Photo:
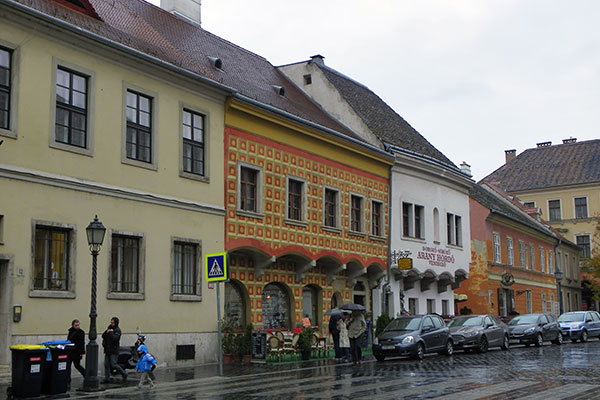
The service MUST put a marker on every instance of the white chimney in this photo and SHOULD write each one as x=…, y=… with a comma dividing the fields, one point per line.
x=465, y=168
x=185, y=9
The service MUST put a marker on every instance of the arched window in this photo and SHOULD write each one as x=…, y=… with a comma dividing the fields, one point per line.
x=436, y=225
x=360, y=294
x=309, y=303
x=235, y=306
x=275, y=307
x=336, y=300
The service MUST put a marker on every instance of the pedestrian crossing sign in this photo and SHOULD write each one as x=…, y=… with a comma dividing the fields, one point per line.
x=216, y=267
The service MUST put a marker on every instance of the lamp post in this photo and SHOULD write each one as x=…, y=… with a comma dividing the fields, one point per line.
x=95, y=236
x=559, y=275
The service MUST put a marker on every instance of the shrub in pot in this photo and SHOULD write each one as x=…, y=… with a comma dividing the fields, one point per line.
x=305, y=341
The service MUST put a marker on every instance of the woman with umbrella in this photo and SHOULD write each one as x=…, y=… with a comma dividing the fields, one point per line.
x=356, y=327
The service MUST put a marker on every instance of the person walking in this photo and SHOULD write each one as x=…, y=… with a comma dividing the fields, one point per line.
x=145, y=366
x=335, y=334
x=111, y=339
x=76, y=335
x=356, y=328
x=344, y=341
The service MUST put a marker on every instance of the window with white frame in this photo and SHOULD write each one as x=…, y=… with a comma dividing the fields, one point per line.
x=295, y=199
x=139, y=137
x=544, y=309
x=356, y=213
x=510, y=252
x=413, y=216
x=193, y=142
x=454, y=229
x=5, y=87
x=430, y=306
x=542, y=260
x=532, y=256
x=376, y=218
x=521, y=254
x=186, y=276
x=497, y=254
x=583, y=241
x=249, y=189
x=581, y=208
x=125, y=263
x=71, y=107
x=566, y=266
x=554, y=210
x=331, y=209
x=528, y=302
x=550, y=262
x=529, y=204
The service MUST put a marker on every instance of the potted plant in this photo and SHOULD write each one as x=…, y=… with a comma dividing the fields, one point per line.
x=246, y=344
x=305, y=342
x=238, y=340
x=228, y=342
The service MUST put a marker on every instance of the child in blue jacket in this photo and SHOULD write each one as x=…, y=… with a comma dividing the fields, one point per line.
x=145, y=365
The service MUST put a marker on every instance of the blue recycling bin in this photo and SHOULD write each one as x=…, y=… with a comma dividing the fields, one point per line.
x=57, y=370
x=28, y=362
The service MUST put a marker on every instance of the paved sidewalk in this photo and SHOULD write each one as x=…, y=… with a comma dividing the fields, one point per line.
x=176, y=374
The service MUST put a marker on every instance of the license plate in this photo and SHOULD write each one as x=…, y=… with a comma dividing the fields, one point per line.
x=388, y=347
x=512, y=341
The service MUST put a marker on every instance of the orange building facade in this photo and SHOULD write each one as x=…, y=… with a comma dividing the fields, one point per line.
x=512, y=260
x=306, y=221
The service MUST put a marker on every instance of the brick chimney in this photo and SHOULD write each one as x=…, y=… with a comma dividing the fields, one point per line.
x=509, y=155
x=188, y=10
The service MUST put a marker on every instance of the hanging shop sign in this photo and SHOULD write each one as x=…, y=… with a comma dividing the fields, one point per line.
x=404, y=264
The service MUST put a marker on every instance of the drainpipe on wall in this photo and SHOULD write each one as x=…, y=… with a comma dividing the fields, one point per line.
x=386, y=285
x=559, y=294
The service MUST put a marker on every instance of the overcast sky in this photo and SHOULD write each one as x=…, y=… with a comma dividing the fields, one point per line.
x=475, y=77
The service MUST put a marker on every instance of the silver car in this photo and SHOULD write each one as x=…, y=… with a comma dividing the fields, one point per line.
x=478, y=332
x=579, y=325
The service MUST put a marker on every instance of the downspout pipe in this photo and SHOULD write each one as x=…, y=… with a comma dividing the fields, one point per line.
x=384, y=294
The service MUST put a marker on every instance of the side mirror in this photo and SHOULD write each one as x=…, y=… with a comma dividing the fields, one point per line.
x=588, y=320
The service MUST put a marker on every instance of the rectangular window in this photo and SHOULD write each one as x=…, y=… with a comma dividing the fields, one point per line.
x=497, y=255
x=529, y=204
x=542, y=261
x=544, y=308
x=510, y=252
x=125, y=264
x=71, y=108
x=412, y=306
x=528, y=300
x=419, y=211
x=248, y=189
x=554, y=210
x=532, y=255
x=583, y=241
x=295, y=194
x=521, y=254
x=185, y=269
x=356, y=213
x=139, y=127
x=445, y=308
x=550, y=262
x=376, y=218
x=413, y=220
x=454, y=229
x=5, y=87
x=406, y=218
x=193, y=142
x=51, y=260
x=581, y=210
x=331, y=206
x=430, y=306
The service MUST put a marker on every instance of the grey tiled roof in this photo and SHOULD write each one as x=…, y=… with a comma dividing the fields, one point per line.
x=381, y=119
x=149, y=29
x=551, y=166
x=493, y=201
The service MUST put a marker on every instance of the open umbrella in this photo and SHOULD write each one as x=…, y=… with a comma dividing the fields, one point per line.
x=353, y=307
x=333, y=311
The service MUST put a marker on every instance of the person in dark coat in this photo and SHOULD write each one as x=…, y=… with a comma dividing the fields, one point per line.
x=335, y=334
x=111, y=339
x=76, y=336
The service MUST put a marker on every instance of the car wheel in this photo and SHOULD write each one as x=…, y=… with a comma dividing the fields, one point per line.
x=483, y=345
x=539, y=340
x=506, y=343
x=584, y=336
x=420, y=353
x=379, y=357
x=449, y=348
x=559, y=339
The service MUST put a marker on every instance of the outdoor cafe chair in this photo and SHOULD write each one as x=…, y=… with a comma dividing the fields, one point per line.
x=274, y=347
x=291, y=348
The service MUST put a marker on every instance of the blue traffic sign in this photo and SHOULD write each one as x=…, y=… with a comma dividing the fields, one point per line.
x=216, y=267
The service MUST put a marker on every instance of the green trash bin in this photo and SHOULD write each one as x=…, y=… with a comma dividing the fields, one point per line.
x=27, y=370
x=57, y=371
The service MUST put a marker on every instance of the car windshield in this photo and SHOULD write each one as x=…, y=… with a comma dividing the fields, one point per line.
x=404, y=324
x=524, y=320
x=571, y=317
x=466, y=321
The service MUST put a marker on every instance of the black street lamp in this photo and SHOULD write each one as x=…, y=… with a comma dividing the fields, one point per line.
x=91, y=383
x=559, y=275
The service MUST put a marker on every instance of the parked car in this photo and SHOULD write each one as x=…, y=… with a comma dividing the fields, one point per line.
x=580, y=325
x=478, y=332
x=414, y=336
x=534, y=329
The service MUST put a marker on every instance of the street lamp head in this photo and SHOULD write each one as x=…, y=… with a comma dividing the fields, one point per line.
x=95, y=234
x=558, y=274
